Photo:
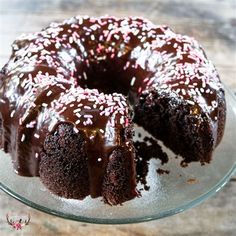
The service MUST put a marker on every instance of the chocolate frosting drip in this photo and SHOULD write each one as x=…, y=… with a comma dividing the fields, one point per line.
x=51, y=76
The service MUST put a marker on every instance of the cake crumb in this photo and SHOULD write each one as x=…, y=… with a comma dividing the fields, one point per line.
x=146, y=187
x=146, y=150
x=162, y=171
x=183, y=164
x=192, y=181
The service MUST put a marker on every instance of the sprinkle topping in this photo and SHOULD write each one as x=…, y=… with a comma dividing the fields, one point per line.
x=57, y=62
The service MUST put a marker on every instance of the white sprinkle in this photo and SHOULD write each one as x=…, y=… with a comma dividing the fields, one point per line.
x=183, y=91
x=80, y=21
x=116, y=36
x=71, y=40
x=21, y=75
x=93, y=27
x=203, y=83
x=76, y=130
x=77, y=122
x=85, y=76
x=122, y=121
x=201, y=90
x=190, y=102
x=78, y=115
x=49, y=93
x=99, y=159
x=12, y=113
x=177, y=90
x=132, y=81
x=88, y=116
x=57, y=45
x=89, y=121
x=36, y=155
x=187, y=81
x=77, y=110
x=36, y=136
x=20, y=121
x=22, y=138
x=31, y=124
x=102, y=131
x=143, y=39
x=175, y=84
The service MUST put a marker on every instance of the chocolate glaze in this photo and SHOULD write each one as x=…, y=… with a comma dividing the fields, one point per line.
x=108, y=130
x=45, y=82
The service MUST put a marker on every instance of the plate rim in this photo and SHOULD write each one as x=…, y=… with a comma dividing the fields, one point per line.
x=173, y=211
x=170, y=212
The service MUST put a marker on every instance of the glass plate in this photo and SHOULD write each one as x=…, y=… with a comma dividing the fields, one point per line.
x=181, y=189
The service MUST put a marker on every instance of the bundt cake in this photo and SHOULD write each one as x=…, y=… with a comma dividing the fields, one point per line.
x=70, y=93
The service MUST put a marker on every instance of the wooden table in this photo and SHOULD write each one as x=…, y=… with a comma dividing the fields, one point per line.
x=213, y=23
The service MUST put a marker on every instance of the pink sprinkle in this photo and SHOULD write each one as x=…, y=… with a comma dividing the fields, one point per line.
x=126, y=122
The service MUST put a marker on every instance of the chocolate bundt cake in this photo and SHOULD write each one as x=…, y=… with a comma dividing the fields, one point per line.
x=70, y=93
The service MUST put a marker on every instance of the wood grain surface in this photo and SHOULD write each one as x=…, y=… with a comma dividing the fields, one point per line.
x=212, y=22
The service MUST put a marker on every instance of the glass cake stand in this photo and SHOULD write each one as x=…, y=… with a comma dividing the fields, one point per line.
x=169, y=194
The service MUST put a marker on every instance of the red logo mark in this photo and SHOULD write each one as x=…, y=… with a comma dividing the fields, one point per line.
x=18, y=222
